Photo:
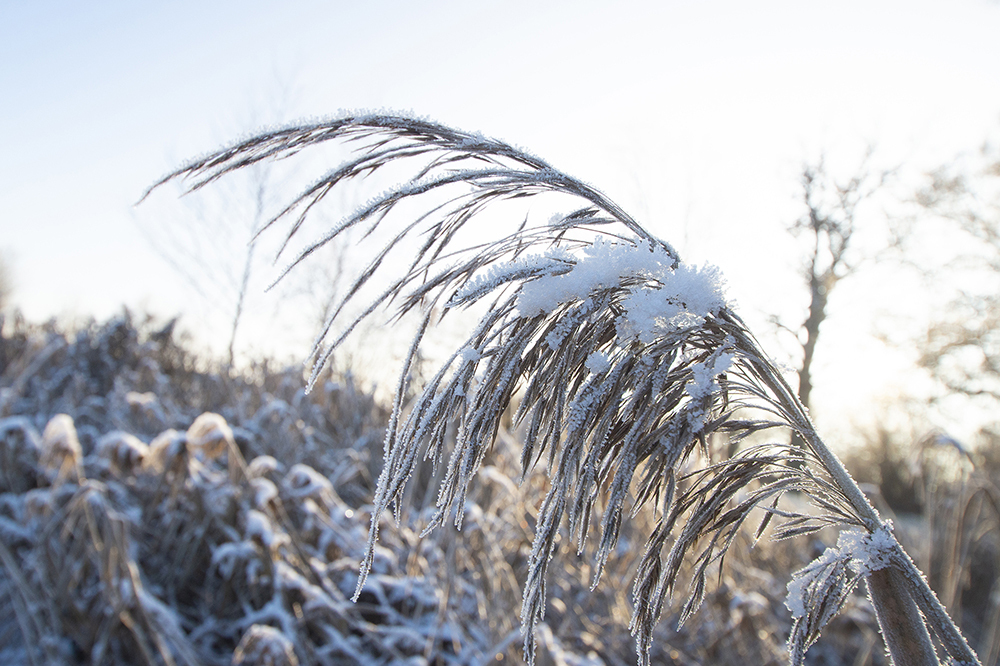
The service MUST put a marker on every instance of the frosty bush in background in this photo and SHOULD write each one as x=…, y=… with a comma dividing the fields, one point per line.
x=622, y=363
x=170, y=548
x=204, y=570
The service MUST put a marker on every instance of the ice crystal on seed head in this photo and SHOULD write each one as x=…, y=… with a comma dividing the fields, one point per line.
x=667, y=297
x=602, y=266
x=551, y=262
x=469, y=355
x=684, y=298
x=858, y=550
x=703, y=375
x=598, y=362
x=869, y=552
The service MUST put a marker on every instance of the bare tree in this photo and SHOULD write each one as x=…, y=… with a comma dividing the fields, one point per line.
x=962, y=347
x=321, y=281
x=260, y=195
x=828, y=226
x=214, y=248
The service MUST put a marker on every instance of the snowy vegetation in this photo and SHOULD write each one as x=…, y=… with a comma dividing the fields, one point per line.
x=609, y=348
x=155, y=511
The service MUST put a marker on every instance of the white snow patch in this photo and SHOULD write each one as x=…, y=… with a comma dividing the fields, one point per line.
x=264, y=491
x=667, y=299
x=260, y=527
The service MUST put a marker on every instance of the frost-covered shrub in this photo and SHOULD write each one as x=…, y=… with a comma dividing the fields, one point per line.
x=157, y=527
x=169, y=558
x=198, y=559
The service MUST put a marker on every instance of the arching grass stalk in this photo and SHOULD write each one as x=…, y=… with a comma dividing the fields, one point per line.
x=624, y=361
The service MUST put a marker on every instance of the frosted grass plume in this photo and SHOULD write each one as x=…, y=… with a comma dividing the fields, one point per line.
x=622, y=362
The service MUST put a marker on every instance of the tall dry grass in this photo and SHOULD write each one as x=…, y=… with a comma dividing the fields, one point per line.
x=624, y=364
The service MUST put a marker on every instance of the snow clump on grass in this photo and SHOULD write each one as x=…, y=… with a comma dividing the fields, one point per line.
x=665, y=298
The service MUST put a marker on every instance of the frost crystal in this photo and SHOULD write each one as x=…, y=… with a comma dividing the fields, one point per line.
x=603, y=265
x=704, y=374
x=686, y=297
x=869, y=552
x=598, y=362
x=554, y=261
x=469, y=355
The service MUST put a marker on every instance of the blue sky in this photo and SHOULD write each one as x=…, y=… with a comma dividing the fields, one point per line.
x=694, y=115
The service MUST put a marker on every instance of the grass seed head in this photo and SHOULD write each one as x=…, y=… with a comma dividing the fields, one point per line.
x=622, y=361
x=263, y=645
x=62, y=455
x=210, y=435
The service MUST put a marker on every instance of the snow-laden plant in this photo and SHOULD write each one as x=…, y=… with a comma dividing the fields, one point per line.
x=622, y=362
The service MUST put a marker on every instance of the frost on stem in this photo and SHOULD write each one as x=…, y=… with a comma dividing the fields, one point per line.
x=819, y=590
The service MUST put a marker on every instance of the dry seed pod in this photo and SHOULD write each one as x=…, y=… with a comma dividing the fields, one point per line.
x=263, y=645
x=61, y=453
x=211, y=435
x=123, y=452
x=167, y=451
